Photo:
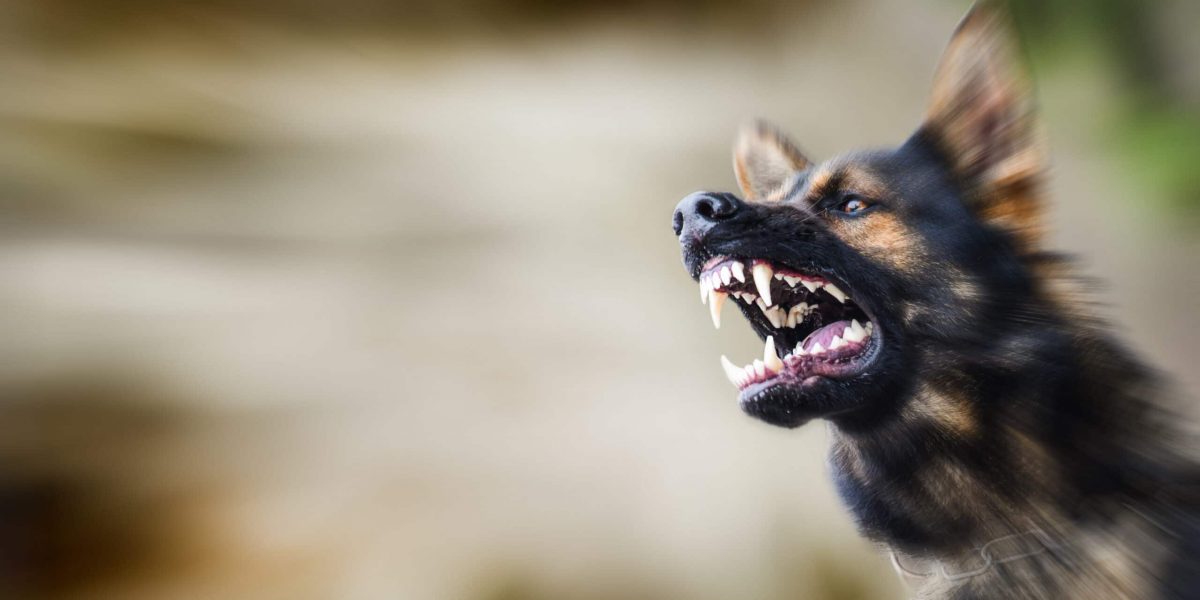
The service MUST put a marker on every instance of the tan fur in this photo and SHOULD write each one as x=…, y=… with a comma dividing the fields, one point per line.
x=982, y=113
x=764, y=162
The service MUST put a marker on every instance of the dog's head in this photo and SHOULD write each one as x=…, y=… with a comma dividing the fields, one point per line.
x=867, y=271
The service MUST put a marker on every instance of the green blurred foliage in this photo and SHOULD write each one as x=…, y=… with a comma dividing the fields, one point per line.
x=1155, y=124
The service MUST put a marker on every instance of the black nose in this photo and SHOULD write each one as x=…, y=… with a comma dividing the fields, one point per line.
x=699, y=211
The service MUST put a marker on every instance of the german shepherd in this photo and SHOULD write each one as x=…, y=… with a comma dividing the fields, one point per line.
x=986, y=427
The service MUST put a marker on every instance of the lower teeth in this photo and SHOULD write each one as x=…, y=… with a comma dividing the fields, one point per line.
x=772, y=364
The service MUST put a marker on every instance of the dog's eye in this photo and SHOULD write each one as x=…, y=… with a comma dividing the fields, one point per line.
x=853, y=205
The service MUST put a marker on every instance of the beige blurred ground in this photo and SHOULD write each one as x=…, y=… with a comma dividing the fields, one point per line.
x=294, y=313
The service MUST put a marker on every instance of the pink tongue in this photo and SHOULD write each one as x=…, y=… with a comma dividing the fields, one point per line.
x=825, y=335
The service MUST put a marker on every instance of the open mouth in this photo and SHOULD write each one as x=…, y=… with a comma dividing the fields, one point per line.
x=819, y=329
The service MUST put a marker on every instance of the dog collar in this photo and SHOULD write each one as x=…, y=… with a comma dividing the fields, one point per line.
x=1001, y=550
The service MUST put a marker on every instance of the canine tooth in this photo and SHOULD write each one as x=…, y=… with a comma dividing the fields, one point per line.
x=836, y=292
x=836, y=343
x=739, y=271
x=759, y=368
x=762, y=280
x=726, y=275
x=811, y=286
x=715, y=301
x=770, y=359
x=817, y=348
x=792, y=281
x=733, y=373
x=704, y=290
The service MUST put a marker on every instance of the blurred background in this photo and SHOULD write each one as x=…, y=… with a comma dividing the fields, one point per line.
x=367, y=299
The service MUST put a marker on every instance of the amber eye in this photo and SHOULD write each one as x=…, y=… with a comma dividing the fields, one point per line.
x=853, y=205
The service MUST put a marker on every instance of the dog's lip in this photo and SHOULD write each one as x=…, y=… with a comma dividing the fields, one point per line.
x=710, y=263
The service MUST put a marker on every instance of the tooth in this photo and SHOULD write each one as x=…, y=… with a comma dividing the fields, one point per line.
x=835, y=292
x=855, y=332
x=857, y=327
x=726, y=275
x=762, y=280
x=715, y=301
x=749, y=298
x=811, y=286
x=775, y=316
x=733, y=373
x=790, y=321
x=870, y=327
x=770, y=359
x=836, y=343
x=716, y=281
x=759, y=368
x=779, y=276
x=747, y=373
x=739, y=271
x=850, y=335
x=799, y=351
x=704, y=289
x=817, y=348
x=792, y=281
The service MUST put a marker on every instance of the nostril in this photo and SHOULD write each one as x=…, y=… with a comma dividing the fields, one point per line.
x=700, y=210
x=722, y=207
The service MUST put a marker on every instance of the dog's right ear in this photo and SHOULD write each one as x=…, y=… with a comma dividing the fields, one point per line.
x=764, y=161
x=981, y=114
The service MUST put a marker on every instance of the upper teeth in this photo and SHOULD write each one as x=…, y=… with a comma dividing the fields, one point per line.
x=713, y=291
x=762, y=280
x=715, y=301
x=726, y=275
x=739, y=271
x=836, y=292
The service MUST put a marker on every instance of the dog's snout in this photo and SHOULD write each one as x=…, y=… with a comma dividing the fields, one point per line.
x=699, y=211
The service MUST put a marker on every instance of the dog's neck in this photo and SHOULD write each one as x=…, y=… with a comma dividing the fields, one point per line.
x=950, y=469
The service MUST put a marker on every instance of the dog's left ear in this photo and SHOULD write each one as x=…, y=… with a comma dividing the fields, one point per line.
x=981, y=116
x=764, y=161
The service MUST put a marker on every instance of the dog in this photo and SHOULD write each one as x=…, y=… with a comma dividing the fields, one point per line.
x=987, y=429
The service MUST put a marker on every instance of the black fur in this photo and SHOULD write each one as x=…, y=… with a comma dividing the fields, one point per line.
x=997, y=400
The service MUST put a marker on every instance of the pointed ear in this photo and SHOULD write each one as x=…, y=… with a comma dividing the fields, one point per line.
x=764, y=160
x=981, y=116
